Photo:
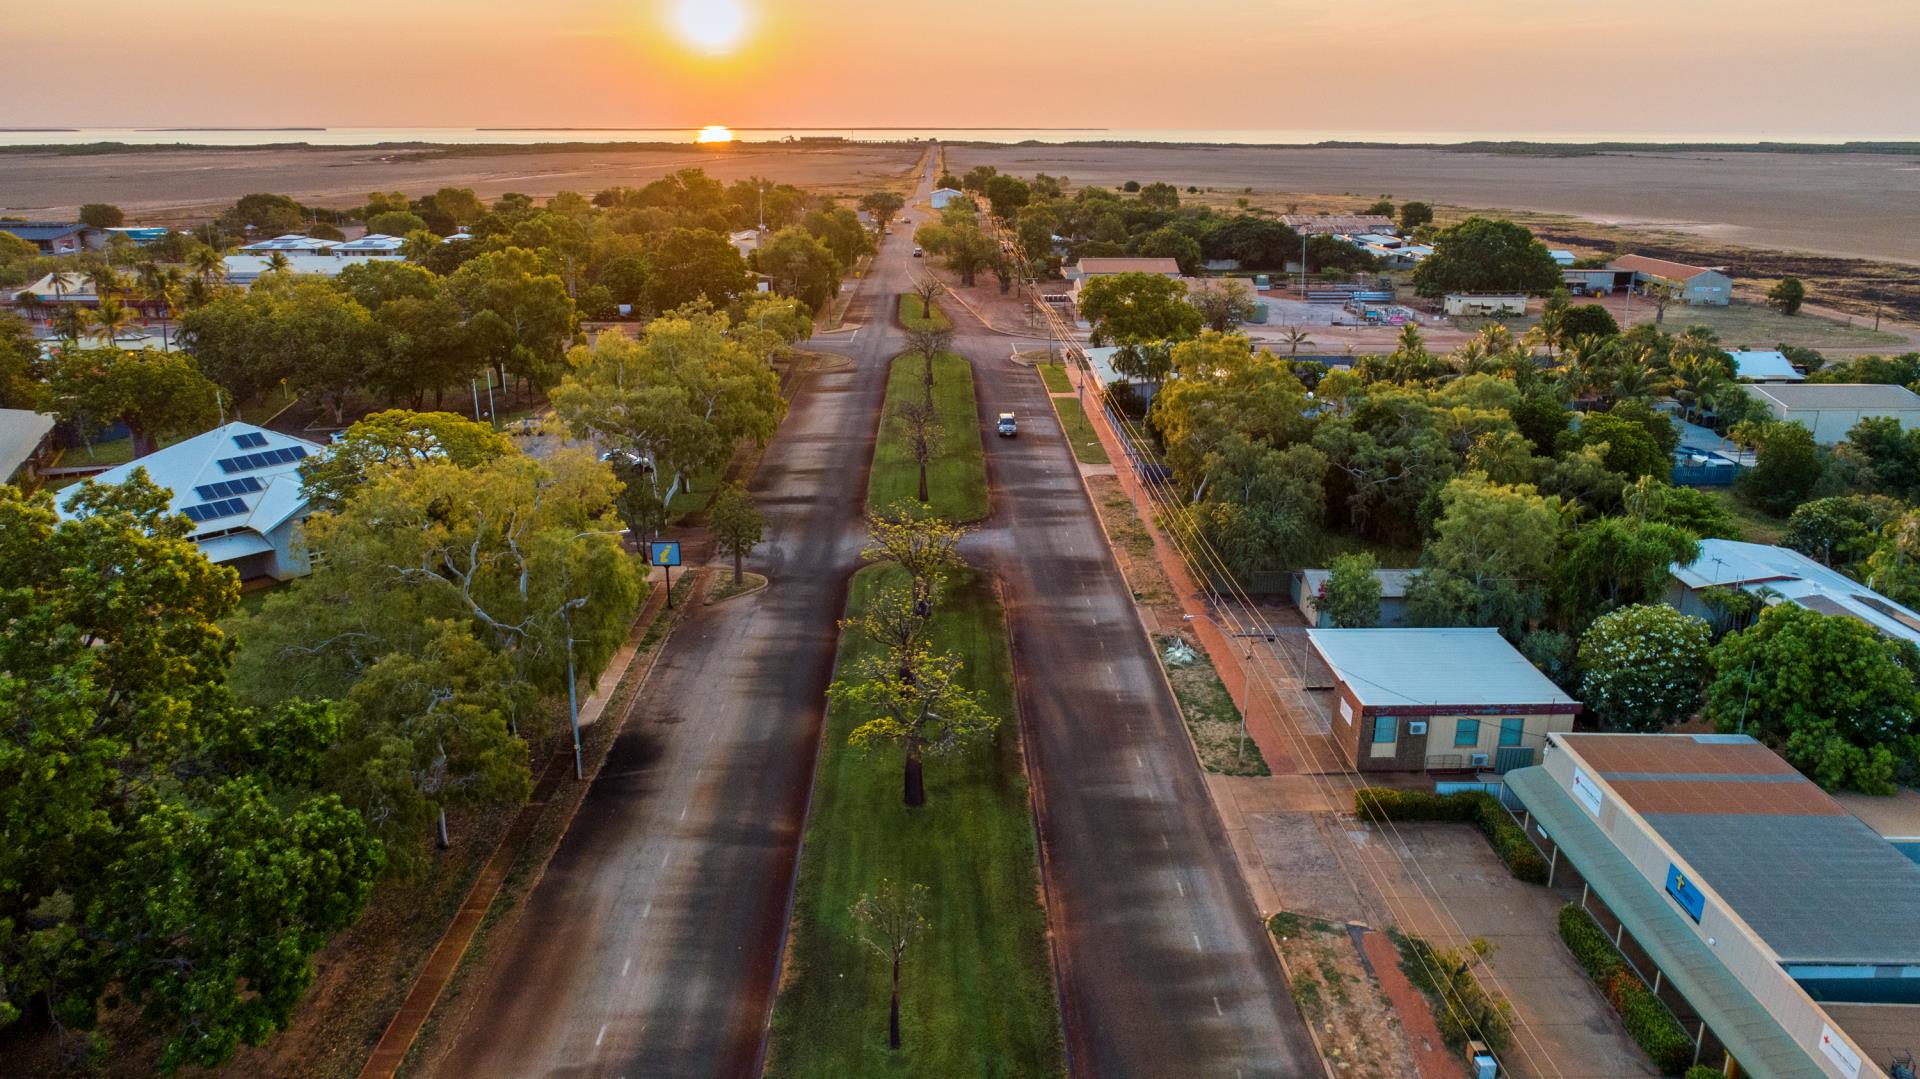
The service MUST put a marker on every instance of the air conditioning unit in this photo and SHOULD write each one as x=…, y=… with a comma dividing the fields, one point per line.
x=1416, y=726
x=1481, y=760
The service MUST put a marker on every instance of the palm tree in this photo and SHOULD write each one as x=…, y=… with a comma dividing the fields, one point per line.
x=1296, y=336
x=1697, y=380
x=208, y=264
x=70, y=325
x=103, y=280
x=60, y=282
x=277, y=262
x=112, y=319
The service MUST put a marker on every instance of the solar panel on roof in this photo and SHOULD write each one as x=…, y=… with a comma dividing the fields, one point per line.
x=250, y=462
x=247, y=440
x=208, y=492
x=210, y=511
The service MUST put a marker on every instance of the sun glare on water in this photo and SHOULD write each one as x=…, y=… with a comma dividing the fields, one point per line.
x=711, y=26
x=714, y=133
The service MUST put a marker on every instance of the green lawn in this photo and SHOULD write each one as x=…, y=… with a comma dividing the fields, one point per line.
x=1055, y=376
x=1749, y=325
x=1756, y=525
x=977, y=995
x=914, y=317
x=957, y=475
x=695, y=496
x=1080, y=434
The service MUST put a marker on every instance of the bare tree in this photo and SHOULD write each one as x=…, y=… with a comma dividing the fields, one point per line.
x=890, y=919
x=928, y=289
x=928, y=344
x=918, y=419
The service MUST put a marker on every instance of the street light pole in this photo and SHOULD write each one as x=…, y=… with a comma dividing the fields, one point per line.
x=573, y=708
x=1246, y=677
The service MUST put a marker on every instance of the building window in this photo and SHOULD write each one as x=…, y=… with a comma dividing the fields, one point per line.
x=1383, y=728
x=1511, y=731
x=1466, y=732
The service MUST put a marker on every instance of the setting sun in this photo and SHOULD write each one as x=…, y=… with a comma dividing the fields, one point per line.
x=714, y=133
x=712, y=26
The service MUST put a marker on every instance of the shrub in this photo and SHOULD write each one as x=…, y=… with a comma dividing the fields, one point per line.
x=1701, y=1071
x=1588, y=943
x=1462, y=1009
x=1651, y=1026
x=1473, y=807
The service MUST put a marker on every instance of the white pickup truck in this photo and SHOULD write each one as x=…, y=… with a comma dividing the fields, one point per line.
x=1006, y=426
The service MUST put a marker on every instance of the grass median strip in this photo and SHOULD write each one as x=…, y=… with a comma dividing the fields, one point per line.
x=1055, y=376
x=957, y=474
x=1079, y=431
x=915, y=316
x=1212, y=718
x=976, y=985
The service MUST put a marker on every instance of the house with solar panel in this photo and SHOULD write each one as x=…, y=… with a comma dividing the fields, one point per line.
x=240, y=486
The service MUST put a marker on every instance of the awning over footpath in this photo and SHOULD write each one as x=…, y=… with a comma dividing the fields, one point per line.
x=1748, y=1031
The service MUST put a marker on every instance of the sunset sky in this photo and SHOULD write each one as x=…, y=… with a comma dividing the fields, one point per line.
x=1745, y=67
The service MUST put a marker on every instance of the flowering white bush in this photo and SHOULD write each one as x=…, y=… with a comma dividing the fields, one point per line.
x=1643, y=667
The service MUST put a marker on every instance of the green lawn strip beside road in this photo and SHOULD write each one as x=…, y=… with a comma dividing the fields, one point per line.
x=915, y=317
x=957, y=475
x=1055, y=376
x=1080, y=434
x=977, y=995
x=1212, y=718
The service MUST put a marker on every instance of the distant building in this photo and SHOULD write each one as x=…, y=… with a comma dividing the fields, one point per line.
x=1784, y=575
x=246, y=269
x=1411, y=700
x=1600, y=282
x=1691, y=284
x=1472, y=305
x=51, y=292
x=1308, y=585
x=1562, y=258
x=240, y=486
x=292, y=243
x=944, y=197
x=373, y=243
x=745, y=241
x=1337, y=224
x=141, y=235
x=1830, y=409
x=1101, y=267
x=55, y=237
x=1390, y=249
x=23, y=444
x=1778, y=927
x=1767, y=365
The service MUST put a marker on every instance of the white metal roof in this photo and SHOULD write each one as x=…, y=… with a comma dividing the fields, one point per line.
x=291, y=242
x=373, y=243
x=1460, y=667
x=1795, y=577
x=246, y=269
x=1393, y=582
x=236, y=455
x=1842, y=395
x=1765, y=365
x=20, y=433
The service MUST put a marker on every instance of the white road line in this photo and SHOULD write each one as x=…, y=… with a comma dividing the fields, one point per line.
x=683, y=812
x=1176, y=884
x=625, y=966
x=1164, y=845
x=600, y=1037
x=665, y=858
x=1196, y=942
x=1217, y=1010
x=648, y=909
x=1139, y=760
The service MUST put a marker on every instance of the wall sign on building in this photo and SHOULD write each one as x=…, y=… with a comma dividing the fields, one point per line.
x=1837, y=1050
x=1587, y=792
x=1691, y=899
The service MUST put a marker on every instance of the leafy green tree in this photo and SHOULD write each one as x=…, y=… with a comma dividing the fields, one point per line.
x=841, y=231
x=918, y=700
x=21, y=363
x=1588, y=320
x=1160, y=196
x=398, y=223
x=1787, y=296
x=1351, y=597
x=1380, y=208
x=1894, y=566
x=520, y=315
x=1615, y=561
x=1415, y=214
x=1625, y=445
x=1832, y=695
x=737, y=525
x=1644, y=667
x=925, y=546
x=1128, y=308
x=681, y=398
x=396, y=439
x=961, y=245
x=1687, y=508
x=1881, y=456
x=266, y=214
x=801, y=267
x=1490, y=559
x=102, y=215
x=1171, y=243
x=136, y=858
x=1840, y=531
x=1785, y=469
x=1007, y=194
x=882, y=206
x=1223, y=305
x=1487, y=255
x=697, y=263
x=1228, y=403
x=154, y=393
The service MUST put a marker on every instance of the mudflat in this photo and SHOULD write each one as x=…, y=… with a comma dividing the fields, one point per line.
x=1843, y=204
x=165, y=187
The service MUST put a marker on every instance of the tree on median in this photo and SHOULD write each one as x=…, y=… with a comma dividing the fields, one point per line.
x=925, y=546
x=891, y=918
x=920, y=701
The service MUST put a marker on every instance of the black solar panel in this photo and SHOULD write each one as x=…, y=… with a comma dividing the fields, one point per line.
x=228, y=488
x=252, y=461
x=250, y=439
x=209, y=511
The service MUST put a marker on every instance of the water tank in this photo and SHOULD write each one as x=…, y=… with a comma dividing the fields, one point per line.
x=1260, y=313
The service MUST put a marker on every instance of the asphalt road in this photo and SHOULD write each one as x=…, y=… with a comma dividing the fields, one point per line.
x=650, y=946
x=1165, y=969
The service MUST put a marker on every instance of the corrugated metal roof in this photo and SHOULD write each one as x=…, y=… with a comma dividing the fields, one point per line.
x=1464, y=667
x=41, y=231
x=1126, y=265
x=1755, y=1038
x=1796, y=578
x=1761, y=364
x=1863, y=395
x=1672, y=271
x=20, y=434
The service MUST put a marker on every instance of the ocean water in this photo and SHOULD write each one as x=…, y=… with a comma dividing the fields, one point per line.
x=365, y=136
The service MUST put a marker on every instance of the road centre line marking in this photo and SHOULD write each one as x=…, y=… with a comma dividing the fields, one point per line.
x=600, y=1037
x=1216, y=1008
x=647, y=910
x=624, y=966
x=665, y=858
x=1196, y=942
x=683, y=812
x=1182, y=888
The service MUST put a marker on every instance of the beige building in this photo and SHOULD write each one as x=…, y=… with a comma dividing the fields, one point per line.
x=1438, y=700
x=1830, y=409
x=1781, y=931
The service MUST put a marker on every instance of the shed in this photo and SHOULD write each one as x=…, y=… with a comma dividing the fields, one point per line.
x=1411, y=700
x=1307, y=586
x=944, y=197
x=23, y=438
x=1485, y=305
x=1691, y=284
x=1830, y=409
x=1765, y=365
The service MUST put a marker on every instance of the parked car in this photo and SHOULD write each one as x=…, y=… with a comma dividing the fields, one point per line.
x=1007, y=427
x=917, y=253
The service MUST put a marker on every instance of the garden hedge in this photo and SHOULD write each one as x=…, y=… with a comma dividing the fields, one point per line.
x=1651, y=1026
x=1473, y=807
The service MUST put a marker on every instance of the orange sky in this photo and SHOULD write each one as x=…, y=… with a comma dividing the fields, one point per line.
x=1745, y=67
